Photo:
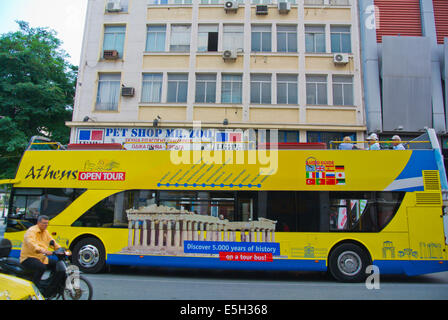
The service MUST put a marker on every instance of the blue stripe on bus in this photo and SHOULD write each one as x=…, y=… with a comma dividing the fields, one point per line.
x=410, y=268
x=216, y=263
x=420, y=160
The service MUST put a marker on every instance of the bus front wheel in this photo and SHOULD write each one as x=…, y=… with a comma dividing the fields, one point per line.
x=348, y=263
x=89, y=255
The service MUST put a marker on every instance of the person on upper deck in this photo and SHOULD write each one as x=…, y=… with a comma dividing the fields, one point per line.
x=373, y=142
x=397, y=145
x=347, y=144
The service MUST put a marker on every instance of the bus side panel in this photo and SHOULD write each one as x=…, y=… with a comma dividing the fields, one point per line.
x=427, y=249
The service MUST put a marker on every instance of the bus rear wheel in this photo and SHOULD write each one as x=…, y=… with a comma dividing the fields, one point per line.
x=89, y=255
x=348, y=262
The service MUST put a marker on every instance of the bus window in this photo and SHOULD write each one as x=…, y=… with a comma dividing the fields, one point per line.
x=111, y=211
x=282, y=206
x=54, y=201
x=387, y=204
x=362, y=211
x=217, y=204
x=345, y=214
x=28, y=204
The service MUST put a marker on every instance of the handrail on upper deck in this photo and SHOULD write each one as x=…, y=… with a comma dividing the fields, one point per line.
x=404, y=143
x=43, y=143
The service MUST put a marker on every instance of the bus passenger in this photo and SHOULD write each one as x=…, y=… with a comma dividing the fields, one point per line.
x=347, y=144
x=397, y=145
x=373, y=142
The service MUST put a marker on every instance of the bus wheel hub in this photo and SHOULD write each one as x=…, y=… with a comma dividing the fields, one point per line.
x=88, y=256
x=349, y=263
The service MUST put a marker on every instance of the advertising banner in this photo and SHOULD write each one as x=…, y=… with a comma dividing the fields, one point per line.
x=169, y=138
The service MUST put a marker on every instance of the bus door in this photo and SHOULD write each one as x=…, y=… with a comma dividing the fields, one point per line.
x=426, y=234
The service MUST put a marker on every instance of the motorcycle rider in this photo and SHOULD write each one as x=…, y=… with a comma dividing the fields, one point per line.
x=34, y=252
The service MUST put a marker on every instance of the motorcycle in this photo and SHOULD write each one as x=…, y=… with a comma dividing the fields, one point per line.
x=65, y=281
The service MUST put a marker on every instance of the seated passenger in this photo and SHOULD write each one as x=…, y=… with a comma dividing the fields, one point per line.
x=373, y=142
x=347, y=144
x=397, y=145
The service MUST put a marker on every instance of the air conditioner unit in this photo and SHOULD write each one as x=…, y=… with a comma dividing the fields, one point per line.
x=110, y=54
x=229, y=55
x=230, y=6
x=284, y=7
x=127, y=91
x=261, y=9
x=113, y=6
x=340, y=58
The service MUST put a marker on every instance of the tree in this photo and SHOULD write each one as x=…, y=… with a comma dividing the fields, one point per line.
x=37, y=87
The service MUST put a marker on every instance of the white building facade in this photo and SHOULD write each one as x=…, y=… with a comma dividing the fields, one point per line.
x=159, y=71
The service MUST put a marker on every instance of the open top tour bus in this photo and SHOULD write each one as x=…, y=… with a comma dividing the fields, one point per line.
x=272, y=209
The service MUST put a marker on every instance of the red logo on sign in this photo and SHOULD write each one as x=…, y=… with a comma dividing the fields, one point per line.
x=102, y=176
x=245, y=256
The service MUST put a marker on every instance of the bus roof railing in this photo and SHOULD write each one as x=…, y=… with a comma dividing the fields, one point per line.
x=425, y=144
x=43, y=143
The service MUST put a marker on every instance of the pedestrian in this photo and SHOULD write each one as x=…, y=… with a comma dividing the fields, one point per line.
x=347, y=144
x=397, y=145
x=373, y=142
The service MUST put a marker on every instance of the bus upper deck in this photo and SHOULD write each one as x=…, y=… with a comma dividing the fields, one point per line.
x=300, y=208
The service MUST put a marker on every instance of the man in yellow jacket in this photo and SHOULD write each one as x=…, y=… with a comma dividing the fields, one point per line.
x=34, y=252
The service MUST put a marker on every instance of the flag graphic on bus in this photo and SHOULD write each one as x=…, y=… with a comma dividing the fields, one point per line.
x=325, y=174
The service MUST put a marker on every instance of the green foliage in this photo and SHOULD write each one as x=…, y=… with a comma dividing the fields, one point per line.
x=37, y=87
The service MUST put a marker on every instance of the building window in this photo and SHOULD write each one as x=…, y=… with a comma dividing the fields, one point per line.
x=287, y=89
x=206, y=88
x=208, y=38
x=163, y=2
x=288, y=136
x=260, y=88
x=233, y=38
x=316, y=90
x=232, y=88
x=180, y=38
x=152, y=87
x=341, y=39
x=177, y=87
x=155, y=40
x=315, y=39
x=286, y=38
x=343, y=90
x=210, y=1
x=261, y=38
x=327, y=137
x=114, y=39
x=158, y=2
x=108, y=92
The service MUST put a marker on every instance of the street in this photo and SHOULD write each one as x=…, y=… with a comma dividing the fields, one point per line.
x=132, y=283
x=139, y=283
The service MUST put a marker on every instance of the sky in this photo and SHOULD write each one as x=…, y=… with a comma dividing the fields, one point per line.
x=66, y=17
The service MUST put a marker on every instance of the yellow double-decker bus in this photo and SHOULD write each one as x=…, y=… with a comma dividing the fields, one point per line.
x=320, y=210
